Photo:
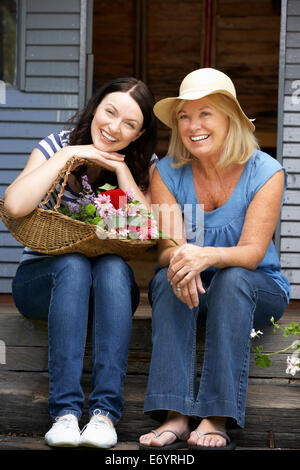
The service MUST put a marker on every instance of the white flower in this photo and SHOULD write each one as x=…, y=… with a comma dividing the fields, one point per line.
x=293, y=363
x=255, y=334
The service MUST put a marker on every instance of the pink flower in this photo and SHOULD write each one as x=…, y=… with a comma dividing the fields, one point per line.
x=101, y=199
x=105, y=211
x=130, y=194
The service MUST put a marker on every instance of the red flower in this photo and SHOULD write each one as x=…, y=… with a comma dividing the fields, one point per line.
x=115, y=195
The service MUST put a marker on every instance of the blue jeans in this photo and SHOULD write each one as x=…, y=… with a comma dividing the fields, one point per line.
x=236, y=300
x=60, y=289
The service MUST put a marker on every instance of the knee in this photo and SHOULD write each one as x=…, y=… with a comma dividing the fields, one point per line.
x=74, y=267
x=112, y=273
x=159, y=283
x=112, y=265
x=230, y=296
x=230, y=278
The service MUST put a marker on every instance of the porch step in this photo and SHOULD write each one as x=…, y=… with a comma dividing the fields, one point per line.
x=272, y=414
x=273, y=403
x=26, y=343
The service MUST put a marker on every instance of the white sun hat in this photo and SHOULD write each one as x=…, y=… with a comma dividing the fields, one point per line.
x=196, y=85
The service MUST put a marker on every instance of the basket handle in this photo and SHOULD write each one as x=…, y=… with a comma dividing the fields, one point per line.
x=66, y=170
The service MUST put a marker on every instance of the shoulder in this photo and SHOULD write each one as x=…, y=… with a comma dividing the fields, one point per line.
x=262, y=161
x=262, y=167
x=54, y=142
x=173, y=177
x=167, y=164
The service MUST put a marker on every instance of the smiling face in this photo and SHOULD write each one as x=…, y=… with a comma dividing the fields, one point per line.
x=203, y=129
x=117, y=122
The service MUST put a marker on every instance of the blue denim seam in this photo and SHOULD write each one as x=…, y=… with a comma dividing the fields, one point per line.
x=243, y=375
x=31, y=280
x=243, y=379
x=68, y=411
x=193, y=361
x=167, y=402
x=49, y=347
x=103, y=413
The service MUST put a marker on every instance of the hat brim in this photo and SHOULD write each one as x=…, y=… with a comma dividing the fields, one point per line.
x=163, y=109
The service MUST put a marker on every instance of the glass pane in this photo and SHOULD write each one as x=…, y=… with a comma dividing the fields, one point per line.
x=8, y=40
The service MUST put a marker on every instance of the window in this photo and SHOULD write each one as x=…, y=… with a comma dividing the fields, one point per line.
x=8, y=22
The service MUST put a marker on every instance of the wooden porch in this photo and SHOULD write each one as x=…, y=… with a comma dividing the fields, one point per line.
x=273, y=404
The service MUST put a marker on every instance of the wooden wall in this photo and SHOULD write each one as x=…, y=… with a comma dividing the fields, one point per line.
x=289, y=141
x=47, y=95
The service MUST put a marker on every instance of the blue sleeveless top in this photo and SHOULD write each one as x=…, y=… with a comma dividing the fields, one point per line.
x=223, y=226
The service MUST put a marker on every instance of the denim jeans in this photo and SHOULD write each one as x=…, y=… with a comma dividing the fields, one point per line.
x=236, y=300
x=60, y=289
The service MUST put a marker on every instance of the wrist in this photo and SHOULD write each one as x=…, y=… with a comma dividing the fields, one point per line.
x=220, y=257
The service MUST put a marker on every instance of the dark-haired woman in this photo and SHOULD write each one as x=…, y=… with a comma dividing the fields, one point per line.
x=116, y=131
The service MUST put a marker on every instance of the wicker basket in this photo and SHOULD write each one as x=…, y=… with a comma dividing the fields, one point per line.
x=50, y=232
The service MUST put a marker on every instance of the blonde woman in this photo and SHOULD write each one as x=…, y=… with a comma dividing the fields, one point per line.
x=226, y=270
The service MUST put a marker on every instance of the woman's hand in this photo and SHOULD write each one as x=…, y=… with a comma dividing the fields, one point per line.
x=111, y=161
x=189, y=293
x=187, y=262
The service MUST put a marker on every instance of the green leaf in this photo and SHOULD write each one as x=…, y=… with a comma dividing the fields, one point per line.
x=96, y=220
x=107, y=187
x=90, y=210
x=263, y=361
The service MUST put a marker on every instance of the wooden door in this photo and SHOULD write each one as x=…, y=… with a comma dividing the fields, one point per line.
x=161, y=41
x=156, y=41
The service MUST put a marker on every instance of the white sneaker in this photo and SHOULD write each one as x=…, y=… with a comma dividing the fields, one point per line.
x=65, y=432
x=98, y=433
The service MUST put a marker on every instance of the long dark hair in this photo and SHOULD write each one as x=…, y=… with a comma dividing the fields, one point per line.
x=139, y=152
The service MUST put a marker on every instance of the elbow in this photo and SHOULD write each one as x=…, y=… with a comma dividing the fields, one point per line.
x=13, y=209
x=256, y=259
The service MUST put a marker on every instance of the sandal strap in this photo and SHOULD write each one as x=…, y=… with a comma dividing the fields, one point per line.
x=221, y=433
x=157, y=434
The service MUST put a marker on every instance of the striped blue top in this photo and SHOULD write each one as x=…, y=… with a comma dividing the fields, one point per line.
x=223, y=226
x=49, y=146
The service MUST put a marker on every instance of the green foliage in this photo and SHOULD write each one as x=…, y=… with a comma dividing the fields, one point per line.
x=263, y=359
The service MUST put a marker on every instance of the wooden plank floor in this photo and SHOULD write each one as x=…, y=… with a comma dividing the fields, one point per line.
x=273, y=400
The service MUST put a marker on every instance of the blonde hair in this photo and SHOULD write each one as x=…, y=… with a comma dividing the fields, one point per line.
x=239, y=144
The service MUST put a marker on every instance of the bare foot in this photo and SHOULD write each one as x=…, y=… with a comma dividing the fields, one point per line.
x=175, y=421
x=210, y=440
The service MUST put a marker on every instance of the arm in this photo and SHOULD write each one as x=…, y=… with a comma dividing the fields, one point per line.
x=126, y=181
x=170, y=219
x=259, y=225
x=147, y=194
x=29, y=188
x=171, y=224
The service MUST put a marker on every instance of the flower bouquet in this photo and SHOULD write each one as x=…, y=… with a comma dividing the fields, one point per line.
x=97, y=224
x=115, y=213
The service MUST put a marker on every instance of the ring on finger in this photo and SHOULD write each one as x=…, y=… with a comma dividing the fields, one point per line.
x=178, y=289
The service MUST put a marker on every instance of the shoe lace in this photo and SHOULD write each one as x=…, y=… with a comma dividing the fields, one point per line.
x=97, y=421
x=67, y=421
